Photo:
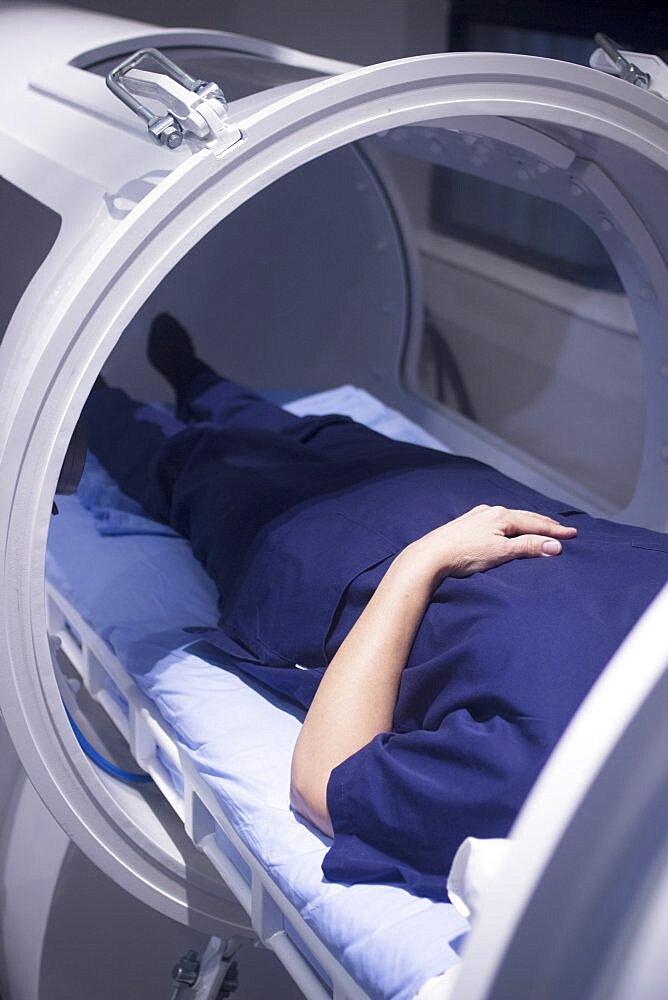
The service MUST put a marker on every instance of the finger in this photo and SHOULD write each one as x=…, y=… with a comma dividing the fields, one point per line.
x=529, y=522
x=532, y=546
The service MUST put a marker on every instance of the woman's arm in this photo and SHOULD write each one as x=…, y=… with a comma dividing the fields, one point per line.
x=357, y=695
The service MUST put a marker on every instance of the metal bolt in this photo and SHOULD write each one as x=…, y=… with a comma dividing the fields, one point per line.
x=166, y=131
x=172, y=137
x=607, y=225
x=186, y=970
x=576, y=189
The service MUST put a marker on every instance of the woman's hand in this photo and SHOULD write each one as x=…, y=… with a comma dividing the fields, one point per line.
x=482, y=538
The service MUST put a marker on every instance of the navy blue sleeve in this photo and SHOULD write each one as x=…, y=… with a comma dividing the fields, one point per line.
x=401, y=806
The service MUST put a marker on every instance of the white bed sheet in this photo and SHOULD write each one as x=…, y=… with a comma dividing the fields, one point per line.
x=132, y=589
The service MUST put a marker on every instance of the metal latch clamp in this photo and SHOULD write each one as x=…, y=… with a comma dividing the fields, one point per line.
x=192, y=105
x=643, y=70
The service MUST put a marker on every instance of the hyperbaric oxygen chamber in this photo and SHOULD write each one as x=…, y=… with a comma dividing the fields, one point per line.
x=275, y=230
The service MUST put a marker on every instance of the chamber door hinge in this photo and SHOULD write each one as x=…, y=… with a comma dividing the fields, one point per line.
x=190, y=106
x=642, y=69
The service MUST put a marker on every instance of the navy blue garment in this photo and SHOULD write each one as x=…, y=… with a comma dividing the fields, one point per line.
x=297, y=519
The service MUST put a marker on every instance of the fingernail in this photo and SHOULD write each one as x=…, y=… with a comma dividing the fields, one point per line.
x=551, y=547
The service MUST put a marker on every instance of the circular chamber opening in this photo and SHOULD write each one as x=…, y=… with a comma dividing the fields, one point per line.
x=365, y=267
x=328, y=277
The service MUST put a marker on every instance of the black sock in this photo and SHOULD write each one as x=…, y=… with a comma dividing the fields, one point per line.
x=170, y=350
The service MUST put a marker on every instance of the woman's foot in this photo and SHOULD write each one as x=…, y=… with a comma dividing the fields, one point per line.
x=170, y=350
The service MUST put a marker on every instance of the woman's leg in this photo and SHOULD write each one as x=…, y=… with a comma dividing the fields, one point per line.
x=127, y=437
x=222, y=489
x=202, y=395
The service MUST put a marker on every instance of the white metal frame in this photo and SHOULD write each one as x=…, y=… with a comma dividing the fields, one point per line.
x=274, y=919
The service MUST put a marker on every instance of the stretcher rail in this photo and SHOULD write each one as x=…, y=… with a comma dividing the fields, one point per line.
x=275, y=920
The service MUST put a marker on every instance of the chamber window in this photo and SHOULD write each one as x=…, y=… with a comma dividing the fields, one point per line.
x=527, y=229
x=29, y=230
x=549, y=365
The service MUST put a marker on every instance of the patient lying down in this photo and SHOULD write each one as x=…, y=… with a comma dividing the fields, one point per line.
x=450, y=619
